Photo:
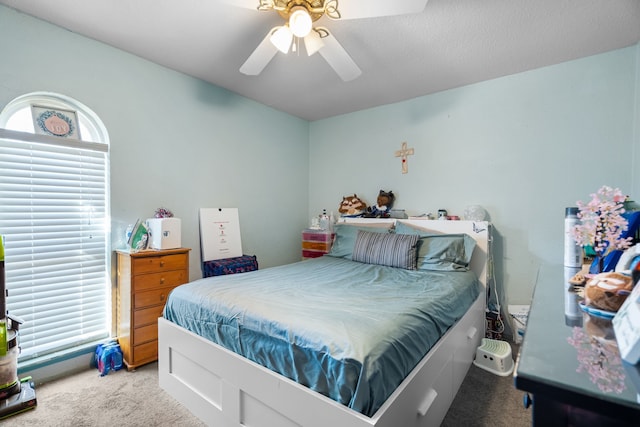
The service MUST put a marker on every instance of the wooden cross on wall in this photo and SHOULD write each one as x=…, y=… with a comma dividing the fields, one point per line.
x=403, y=153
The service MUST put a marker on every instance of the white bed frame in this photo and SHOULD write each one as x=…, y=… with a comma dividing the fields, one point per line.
x=224, y=389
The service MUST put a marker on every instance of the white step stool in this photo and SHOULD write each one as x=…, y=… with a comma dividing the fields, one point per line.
x=494, y=356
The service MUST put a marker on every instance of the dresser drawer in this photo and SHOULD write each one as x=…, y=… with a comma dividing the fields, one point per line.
x=146, y=352
x=151, y=297
x=147, y=316
x=153, y=264
x=156, y=280
x=146, y=333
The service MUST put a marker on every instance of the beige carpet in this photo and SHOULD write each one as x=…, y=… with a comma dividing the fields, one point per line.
x=134, y=399
x=120, y=398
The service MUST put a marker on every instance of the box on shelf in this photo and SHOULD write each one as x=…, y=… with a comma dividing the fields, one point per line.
x=165, y=233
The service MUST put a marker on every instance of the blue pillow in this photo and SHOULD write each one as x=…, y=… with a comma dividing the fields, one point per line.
x=345, y=238
x=393, y=250
x=444, y=252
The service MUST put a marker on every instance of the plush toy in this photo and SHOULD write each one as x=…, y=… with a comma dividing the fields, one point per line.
x=607, y=291
x=352, y=206
x=383, y=205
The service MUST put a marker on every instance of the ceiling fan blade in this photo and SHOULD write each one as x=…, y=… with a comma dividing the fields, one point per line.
x=245, y=4
x=260, y=57
x=356, y=9
x=337, y=57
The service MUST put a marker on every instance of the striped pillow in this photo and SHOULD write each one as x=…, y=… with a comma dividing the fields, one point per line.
x=393, y=250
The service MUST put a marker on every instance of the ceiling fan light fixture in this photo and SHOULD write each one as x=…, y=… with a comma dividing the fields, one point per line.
x=313, y=42
x=300, y=21
x=282, y=39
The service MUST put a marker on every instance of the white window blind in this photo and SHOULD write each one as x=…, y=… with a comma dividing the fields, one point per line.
x=53, y=215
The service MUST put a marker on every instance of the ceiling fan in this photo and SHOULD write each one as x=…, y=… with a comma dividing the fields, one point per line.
x=300, y=17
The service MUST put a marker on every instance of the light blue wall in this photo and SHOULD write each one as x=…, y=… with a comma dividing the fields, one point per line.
x=176, y=141
x=523, y=146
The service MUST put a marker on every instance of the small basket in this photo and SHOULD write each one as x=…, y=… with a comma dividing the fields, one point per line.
x=494, y=356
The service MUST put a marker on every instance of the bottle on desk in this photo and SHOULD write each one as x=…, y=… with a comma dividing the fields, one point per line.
x=572, y=251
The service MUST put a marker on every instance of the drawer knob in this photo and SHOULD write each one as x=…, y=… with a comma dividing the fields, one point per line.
x=162, y=280
x=162, y=297
x=161, y=263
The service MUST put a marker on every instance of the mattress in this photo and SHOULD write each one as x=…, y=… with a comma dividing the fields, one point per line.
x=349, y=330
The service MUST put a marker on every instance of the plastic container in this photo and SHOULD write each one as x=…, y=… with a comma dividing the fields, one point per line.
x=9, y=363
x=572, y=251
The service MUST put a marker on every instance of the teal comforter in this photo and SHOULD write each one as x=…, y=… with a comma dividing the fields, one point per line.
x=348, y=330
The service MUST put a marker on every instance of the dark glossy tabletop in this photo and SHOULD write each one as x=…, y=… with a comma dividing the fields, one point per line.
x=571, y=356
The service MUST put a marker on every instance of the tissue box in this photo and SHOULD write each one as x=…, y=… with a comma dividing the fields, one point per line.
x=165, y=233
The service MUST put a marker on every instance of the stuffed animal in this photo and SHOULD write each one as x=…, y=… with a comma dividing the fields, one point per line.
x=383, y=205
x=607, y=291
x=352, y=206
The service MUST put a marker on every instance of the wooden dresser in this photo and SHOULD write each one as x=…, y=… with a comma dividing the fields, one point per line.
x=144, y=282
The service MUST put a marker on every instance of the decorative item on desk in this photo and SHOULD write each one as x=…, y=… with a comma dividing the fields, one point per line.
x=602, y=226
x=442, y=214
x=607, y=291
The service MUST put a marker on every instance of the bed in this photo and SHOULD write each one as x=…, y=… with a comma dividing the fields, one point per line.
x=233, y=380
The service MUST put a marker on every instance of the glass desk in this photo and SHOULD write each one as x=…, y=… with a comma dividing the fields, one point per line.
x=569, y=361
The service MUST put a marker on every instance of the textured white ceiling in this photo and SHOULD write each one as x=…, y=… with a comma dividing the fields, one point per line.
x=450, y=44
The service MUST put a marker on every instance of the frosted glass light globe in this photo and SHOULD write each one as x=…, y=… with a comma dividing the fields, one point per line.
x=300, y=22
x=474, y=213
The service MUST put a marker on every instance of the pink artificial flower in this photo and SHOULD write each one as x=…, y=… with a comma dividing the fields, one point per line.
x=602, y=223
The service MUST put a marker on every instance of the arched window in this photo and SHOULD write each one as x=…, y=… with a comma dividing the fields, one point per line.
x=54, y=217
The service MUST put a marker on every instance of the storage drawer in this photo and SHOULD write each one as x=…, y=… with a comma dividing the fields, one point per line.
x=317, y=237
x=147, y=316
x=316, y=246
x=156, y=280
x=146, y=333
x=153, y=264
x=312, y=254
x=151, y=297
x=145, y=352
